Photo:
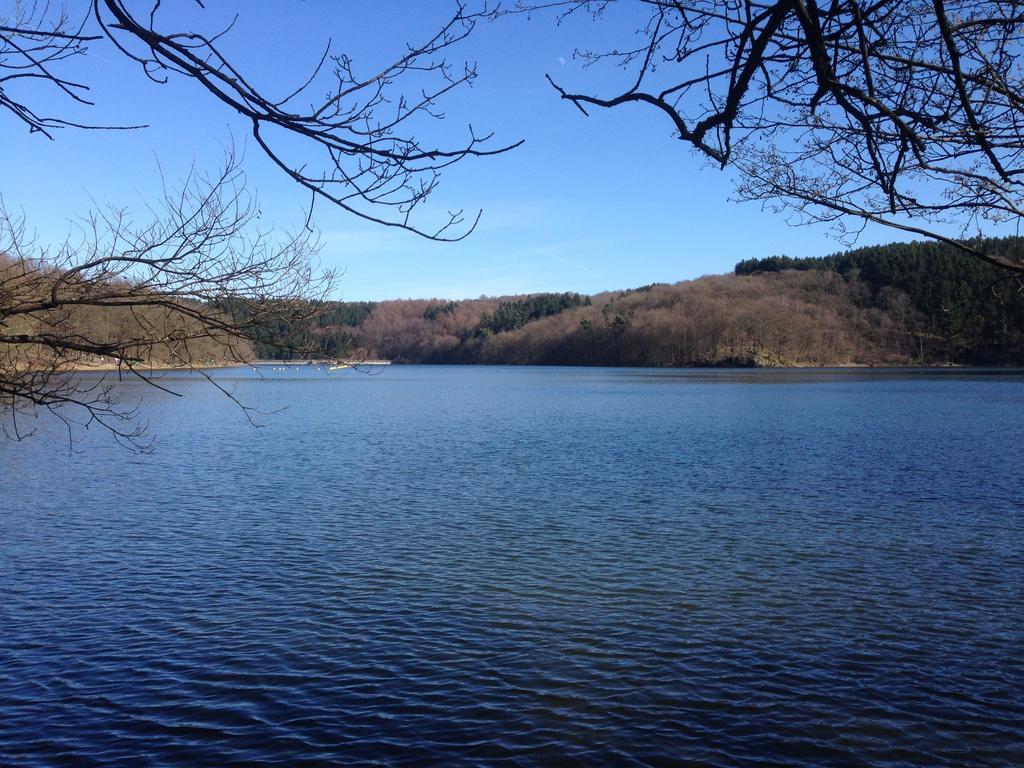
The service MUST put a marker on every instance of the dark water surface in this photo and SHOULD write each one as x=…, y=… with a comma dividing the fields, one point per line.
x=497, y=566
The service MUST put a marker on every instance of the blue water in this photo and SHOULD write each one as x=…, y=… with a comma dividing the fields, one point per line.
x=501, y=566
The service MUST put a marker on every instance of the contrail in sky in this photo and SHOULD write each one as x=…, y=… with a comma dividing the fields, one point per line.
x=567, y=261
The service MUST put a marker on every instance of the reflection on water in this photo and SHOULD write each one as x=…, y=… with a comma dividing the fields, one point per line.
x=521, y=566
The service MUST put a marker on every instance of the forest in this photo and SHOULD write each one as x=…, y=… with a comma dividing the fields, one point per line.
x=919, y=303
x=94, y=325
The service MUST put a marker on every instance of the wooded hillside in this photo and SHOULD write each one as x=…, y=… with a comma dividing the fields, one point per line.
x=901, y=304
x=95, y=325
x=967, y=311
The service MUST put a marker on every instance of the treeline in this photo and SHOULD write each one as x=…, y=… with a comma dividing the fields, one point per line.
x=99, y=321
x=330, y=332
x=511, y=315
x=969, y=311
x=901, y=304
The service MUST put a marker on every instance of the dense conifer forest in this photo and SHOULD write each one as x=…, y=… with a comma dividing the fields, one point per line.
x=900, y=304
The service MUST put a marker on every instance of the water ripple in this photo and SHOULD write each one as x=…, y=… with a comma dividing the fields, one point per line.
x=519, y=567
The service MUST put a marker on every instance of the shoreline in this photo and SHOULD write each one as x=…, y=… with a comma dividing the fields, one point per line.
x=162, y=368
x=146, y=367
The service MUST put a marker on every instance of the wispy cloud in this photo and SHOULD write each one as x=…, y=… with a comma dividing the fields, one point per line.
x=570, y=262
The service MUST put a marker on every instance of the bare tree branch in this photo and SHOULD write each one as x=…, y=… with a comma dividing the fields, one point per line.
x=135, y=295
x=906, y=114
x=358, y=147
x=195, y=282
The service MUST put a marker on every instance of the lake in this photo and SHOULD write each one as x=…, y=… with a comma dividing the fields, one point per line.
x=524, y=566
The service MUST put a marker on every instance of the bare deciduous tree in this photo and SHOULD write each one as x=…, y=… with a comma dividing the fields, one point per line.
x=357, y=145
x=905, y=113
x=347, y=138
x=131, y=294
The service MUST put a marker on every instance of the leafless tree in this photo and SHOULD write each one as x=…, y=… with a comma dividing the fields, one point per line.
x=905, y=113
x=348, y=138
x=356, y=142
x=132, y=294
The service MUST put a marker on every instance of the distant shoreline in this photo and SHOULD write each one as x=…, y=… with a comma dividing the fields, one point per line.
x=147, y=368
x=156, y=367
x=164, y=368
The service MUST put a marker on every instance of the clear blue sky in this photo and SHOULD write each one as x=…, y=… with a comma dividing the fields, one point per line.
x=586, y=204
